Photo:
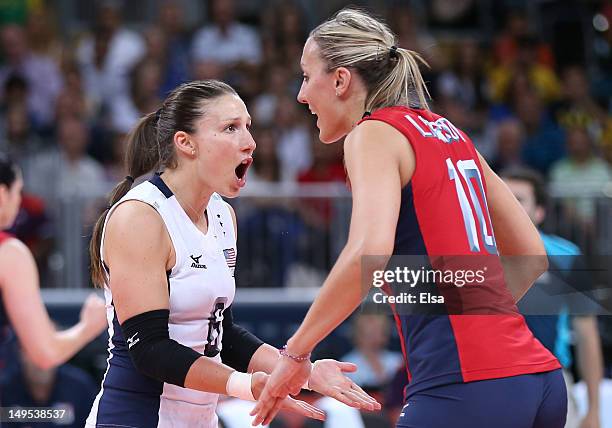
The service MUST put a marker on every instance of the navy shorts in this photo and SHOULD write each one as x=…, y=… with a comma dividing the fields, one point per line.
x=527, y=401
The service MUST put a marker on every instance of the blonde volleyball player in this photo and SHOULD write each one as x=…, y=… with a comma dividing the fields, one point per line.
x=163, y=252
x=420, y=188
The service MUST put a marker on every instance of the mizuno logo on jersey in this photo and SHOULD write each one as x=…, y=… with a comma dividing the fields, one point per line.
x=196, y=262
x=131, y=342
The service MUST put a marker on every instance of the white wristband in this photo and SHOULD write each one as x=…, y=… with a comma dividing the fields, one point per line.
x=239, y=386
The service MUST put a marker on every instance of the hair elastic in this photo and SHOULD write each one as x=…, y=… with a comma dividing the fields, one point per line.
x=393, y=52
x=130, y=179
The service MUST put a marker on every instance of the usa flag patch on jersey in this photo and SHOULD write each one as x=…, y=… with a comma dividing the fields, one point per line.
x=230, y=258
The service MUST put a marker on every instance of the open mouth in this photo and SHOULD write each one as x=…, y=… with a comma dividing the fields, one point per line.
x=241, y=169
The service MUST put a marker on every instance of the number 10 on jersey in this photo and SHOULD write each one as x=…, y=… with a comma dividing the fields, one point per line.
x=469, y=170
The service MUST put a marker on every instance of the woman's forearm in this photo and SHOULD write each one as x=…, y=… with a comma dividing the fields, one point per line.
x=208, y=375
x=264, y=359
x=64, y=344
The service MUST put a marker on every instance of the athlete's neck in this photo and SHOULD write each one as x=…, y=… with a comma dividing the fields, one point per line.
x=355, y=107
x=192, y=198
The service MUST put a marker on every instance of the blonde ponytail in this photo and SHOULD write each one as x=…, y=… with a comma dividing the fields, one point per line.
x=354, y=39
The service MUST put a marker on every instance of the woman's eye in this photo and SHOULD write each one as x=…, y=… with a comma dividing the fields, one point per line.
x=231, y=128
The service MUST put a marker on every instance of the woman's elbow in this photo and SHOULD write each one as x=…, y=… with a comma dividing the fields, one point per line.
x=44, y=359
x=372, y=247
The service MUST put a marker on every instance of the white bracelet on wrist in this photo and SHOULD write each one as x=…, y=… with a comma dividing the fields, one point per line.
x=239, y=386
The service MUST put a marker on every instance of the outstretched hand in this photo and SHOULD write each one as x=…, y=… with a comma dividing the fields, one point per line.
x=258, y=383
x=287, y=378
x=327, y=378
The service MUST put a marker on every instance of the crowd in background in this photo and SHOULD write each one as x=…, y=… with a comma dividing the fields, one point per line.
x=531, y=85
x=68, y=96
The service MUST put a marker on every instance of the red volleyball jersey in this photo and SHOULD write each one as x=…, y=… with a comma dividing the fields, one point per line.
x=444, y=217
x=4, y=236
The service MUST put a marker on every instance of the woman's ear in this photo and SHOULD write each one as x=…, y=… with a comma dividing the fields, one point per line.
x=184, y=143
x=342, y=80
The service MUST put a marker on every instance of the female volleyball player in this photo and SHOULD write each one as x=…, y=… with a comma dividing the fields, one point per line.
x=165, y=253
x=21, y=307
x=420, y=188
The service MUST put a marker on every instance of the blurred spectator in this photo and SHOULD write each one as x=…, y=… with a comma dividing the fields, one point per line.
x=541, y=77
x=578, y=107
x=544, y=140
x=74, y=99
x=276, y=86
x=410, y=34
x=326, y=167
x=510, y=137
x=461, y=93
x=19, y=141
x=266, y=166
x=65, y=388
x=33, y=228
x=294, y=140
x=453, y=14
x=107, y=57
x=41, y=30
x=15, y=92
x=318, y=249
x=465, y=81
x=67, y=171
x=283, y=33
x=507, y=45
x=173, y=45
x=581, y=175
x=269, y=224
x=552, y=302
x=225, y=43
x=377, y=365
x=15, y=12
x=142, y=97
x=19, y=60
x=70, y=104
x=115, y=167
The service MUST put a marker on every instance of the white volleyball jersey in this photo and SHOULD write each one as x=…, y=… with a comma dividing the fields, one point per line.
x=200, y=285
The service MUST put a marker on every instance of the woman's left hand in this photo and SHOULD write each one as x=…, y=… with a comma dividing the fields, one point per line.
x=327, y=378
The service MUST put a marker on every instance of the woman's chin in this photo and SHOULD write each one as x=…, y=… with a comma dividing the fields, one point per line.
x=231, y=192
x=328, y=139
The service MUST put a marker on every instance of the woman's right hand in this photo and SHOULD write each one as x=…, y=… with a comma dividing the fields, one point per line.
x=93, y=315
x=258, y=382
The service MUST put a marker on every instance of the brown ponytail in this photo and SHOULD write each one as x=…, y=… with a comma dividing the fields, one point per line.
x=142, y=157
x=151, y=147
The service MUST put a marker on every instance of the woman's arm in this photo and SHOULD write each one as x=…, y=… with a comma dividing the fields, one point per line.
x=518, y=241
x=373, y=154
x=376, y=154
x=138, y=252
x=43, y=344
x=242, y=348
